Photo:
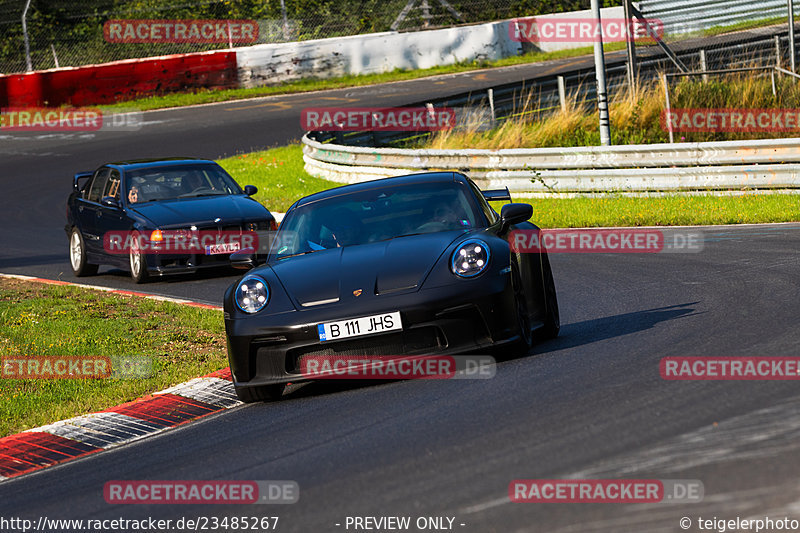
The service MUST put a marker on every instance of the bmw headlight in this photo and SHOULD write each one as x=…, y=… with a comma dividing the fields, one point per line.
x=252, y=294
x=470, y=258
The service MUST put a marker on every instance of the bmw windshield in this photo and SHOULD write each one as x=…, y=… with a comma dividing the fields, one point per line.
x=178, y=181
x=375, y=215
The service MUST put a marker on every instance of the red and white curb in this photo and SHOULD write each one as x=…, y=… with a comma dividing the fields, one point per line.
x=70, y=439
x=45, y=446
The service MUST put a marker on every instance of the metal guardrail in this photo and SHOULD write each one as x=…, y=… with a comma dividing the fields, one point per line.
x=721, y=165
x=682, y=16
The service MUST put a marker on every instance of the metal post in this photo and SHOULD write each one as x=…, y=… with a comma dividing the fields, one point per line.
x=703, y=65
x=25, y=34
x=55, y=57
x=791, y=36
x=285, y=21
x=631, y=47
x=426, y=14
x=490, y=94
x=667, y=110
x=778, y=51
x=562, y=93
x=600, y=75
x=772, y=77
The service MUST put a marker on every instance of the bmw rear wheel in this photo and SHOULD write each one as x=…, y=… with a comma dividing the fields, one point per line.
x=77, y=255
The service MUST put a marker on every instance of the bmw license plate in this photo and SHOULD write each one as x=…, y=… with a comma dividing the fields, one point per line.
x=356, y=327
x=222, y=248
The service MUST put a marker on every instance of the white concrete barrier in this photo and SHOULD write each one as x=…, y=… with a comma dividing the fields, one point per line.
x=373, y=53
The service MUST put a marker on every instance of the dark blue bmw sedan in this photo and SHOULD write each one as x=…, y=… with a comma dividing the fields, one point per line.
x=158, y=217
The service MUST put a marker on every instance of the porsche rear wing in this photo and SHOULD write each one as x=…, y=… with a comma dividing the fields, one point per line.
x=497, y=195
x=78, y=177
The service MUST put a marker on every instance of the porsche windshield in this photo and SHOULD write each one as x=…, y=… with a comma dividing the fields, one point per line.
x=184, y=181
x=376, y=215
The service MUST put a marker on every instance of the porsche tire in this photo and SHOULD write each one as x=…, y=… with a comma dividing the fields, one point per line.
x=265, y=393
x=525, y=342
x=552, y=320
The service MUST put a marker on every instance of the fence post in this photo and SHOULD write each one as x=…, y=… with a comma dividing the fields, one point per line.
x=600, y=75
x=667, y=107
x=703, y=65
x=630, y=46
x=490, y=95
x=285, y=21
x=791, y=35
x=25, y=34
x=772, y=78
x=562, y=93
x=55, y=57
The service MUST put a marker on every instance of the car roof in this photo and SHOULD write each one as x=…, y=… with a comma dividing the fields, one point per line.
x=409, y=179
x=135, y=164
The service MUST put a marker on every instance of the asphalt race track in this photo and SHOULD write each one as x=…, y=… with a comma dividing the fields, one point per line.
x=590, y=404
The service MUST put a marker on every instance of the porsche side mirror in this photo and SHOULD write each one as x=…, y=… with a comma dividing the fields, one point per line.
x=514, y=214
x=244, y=259
x=250, y=190
x=109, y=201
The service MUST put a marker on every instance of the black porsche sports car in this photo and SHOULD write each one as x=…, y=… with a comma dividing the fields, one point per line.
x=159, y=217
x=410, y=265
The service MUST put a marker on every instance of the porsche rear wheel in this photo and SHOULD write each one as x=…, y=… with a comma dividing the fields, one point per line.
x=265, y=393
x=552, y=320
x=77, y=255
x=523, y=345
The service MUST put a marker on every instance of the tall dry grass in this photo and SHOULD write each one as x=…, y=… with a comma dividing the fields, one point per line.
x=635, y=118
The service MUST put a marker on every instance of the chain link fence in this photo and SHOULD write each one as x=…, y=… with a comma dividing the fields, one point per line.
x=71, y=33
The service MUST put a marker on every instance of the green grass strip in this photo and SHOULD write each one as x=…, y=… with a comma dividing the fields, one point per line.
x=50, y=320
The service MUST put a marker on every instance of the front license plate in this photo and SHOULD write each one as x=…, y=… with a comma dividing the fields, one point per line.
x=355, y=327
x=223, y=248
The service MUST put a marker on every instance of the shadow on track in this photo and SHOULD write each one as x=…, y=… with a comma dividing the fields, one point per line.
x=599, y=329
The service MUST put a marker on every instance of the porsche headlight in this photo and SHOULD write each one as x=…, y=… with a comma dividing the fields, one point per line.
x=470, y=258
x=252, y=294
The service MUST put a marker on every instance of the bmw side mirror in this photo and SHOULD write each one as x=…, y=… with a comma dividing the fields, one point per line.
x=109, y=201
x=514, y=214
x=244, y=259
x=250, y=190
